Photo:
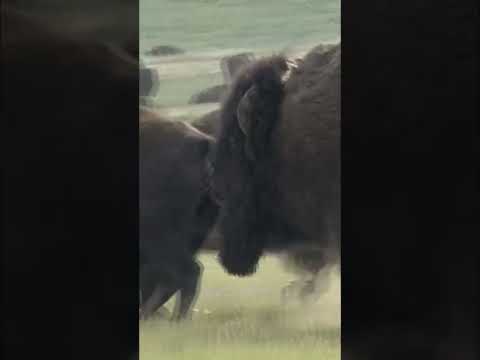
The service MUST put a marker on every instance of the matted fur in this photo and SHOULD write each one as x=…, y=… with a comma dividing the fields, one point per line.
x=241, y=223
x=295, y=139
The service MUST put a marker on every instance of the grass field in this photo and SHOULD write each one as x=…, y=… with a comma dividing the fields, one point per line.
x=243, y=318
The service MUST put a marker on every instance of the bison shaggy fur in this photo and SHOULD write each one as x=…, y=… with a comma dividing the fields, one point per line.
x=277, y=160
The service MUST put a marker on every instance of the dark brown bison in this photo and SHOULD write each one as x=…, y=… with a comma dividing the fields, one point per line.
x=308, y=262
x=276, y=162
x=176, y=211
x=210, y=95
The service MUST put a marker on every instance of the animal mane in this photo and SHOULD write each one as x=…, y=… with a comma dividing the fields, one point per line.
x=245, y=216
x=265, y=74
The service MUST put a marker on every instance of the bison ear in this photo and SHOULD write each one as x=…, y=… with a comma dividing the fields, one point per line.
x=246, y=119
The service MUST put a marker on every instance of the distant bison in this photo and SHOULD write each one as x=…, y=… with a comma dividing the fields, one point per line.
x=230, y=66
x=210, y=95
x=277, y=160
x=164, y=50
x=176, y=211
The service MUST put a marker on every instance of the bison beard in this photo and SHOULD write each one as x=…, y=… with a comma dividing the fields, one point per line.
x=240, y=254
x=246, y=215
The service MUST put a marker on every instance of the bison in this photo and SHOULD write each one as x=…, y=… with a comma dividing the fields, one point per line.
x=307, y=261
x=176, y=211
x=276, y=161
x=159, y=239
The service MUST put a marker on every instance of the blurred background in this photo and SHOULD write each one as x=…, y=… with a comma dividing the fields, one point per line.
x=184, y=41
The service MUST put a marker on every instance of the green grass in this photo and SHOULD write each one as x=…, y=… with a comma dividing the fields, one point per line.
x=242, y=318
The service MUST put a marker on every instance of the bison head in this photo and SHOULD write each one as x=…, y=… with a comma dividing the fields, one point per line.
x=240, y=161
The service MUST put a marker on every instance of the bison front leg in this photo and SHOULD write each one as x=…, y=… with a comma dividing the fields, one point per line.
x=155, y=290
x=159, y=297
x=188, y=290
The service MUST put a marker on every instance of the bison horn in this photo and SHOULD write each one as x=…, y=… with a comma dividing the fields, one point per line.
x=244, y=113
x=246, y=119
